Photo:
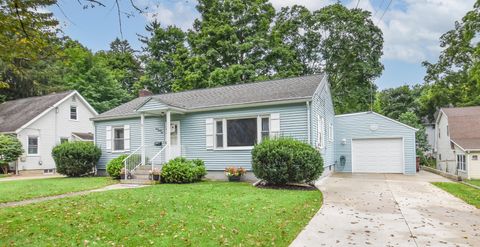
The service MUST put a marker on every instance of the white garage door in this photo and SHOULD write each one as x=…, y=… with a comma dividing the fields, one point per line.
x=377, y=155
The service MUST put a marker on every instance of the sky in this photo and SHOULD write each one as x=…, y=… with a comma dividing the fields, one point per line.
x=411, y=28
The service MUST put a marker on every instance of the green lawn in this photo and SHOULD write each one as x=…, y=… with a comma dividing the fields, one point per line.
x=201, y=214
x=468, y=194
x=4, y=175
x=27, y=189
x=474, y=182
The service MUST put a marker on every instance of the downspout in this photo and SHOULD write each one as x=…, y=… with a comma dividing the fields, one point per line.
x=308, y=123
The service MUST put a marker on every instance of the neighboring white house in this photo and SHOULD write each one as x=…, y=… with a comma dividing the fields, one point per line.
x=457, y=141
x=41, y=123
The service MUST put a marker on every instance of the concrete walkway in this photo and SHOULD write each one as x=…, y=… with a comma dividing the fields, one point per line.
x=390, y=210
x=48, y=198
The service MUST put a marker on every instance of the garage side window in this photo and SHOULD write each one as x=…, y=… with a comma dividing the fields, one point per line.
x=320, y=129
x=461, y=162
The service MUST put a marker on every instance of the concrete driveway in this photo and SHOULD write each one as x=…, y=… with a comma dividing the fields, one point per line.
x=390, y=210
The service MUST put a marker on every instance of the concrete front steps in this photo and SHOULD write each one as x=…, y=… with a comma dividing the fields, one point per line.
x=141, y=175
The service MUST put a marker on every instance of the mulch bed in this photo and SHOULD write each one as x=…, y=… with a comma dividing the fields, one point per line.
x=286, y=187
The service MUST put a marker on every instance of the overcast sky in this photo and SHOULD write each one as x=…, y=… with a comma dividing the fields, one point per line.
x=411, y=28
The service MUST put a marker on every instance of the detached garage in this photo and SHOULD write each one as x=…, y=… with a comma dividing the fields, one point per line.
x=368, y=142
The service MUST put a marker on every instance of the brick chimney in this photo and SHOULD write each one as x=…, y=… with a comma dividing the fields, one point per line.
x=144, y=93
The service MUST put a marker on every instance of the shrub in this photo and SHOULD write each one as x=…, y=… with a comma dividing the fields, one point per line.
x=114, y=167
x=76, y=159
x=10, y=150
x=285, y=160
x=181, y=170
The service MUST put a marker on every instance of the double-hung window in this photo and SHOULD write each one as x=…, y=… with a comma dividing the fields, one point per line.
x=461, y=162
x=241, y=132
x=219, y=134
x=73, y=112
x=33, y=145
x=118, y=139
x=320, y=131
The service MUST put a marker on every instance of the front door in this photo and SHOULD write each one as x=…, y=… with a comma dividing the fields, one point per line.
x=175, y=146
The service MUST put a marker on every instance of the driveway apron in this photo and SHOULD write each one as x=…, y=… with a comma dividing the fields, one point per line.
x=390, y=210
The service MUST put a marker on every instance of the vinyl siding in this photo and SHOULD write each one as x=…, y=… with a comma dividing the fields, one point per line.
x=154, y=129
x=153, y=104
x=322, y=106
x=293, y=123
x=357, y=126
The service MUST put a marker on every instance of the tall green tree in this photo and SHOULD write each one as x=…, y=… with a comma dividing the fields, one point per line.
x=393, y=102
x=124, y=65
x=455, y=78
x=352, y=50
x=164, y=54
x=88, y=73
x=411, y=119
x=27, y=37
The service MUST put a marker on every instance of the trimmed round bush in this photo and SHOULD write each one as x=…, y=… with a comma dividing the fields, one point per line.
x=115, y=166
x=285, y=160
x=181, y=170
x=76, y=159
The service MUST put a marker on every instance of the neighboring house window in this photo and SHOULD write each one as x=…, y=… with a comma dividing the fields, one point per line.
x=73, y=112
x=320, y=128
x=48, y=171
x=447, y=131
x=474, y=157
x=438, y=132
x=33, y=145
x=461, y=162
x=242, y=132
x=63, y=140
x=265, y=132
x=219, y=134
x=118, y=139
x=440, y=156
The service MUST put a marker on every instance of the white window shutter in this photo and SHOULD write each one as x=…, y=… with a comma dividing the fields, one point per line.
x=126, y=133
x=108, y=138
x=209, y=133
x=274, y=124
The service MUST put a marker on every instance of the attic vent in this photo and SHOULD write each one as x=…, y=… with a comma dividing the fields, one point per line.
x=74, y=98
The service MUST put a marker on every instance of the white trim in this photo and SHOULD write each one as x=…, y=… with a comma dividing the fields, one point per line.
x=179, y=139
x=377, y=114
x=373, y=138
x=55, y=106
x=113, y=140
x=309, y=124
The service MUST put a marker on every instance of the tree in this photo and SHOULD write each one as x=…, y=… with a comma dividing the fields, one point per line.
x=163, y=49
x=89, y=74
x=27, y=37
x=393, y=102
x=409, y=118
x=123, y=64
x=10, y=150
x=454, y=80
x=244, y=41
x=352, y=50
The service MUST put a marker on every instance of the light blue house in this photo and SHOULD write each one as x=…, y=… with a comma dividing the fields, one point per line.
x=221, y=125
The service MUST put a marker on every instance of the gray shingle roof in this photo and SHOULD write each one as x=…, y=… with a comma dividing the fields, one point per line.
x=15, y=113
x=266, y=91
x=463, y=126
